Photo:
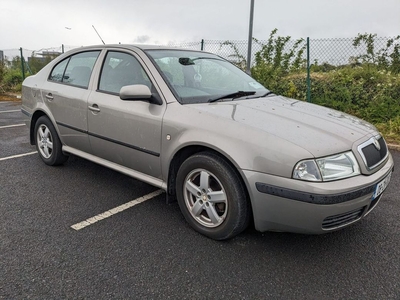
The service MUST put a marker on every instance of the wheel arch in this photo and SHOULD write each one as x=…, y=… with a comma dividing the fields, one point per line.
x=182, y=154
x=36, y=115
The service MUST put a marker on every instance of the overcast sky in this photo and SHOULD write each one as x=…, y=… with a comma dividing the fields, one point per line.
x=36, y=24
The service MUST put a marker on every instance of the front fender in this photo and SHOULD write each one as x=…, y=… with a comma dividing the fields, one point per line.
x=245, y=147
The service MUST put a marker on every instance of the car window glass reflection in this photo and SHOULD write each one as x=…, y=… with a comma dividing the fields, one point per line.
x=197, y=79
x=121, y=69
x=80, y=68
x=75, y=70
x=58, y=71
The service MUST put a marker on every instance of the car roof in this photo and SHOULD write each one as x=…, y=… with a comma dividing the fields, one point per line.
x=134, y=46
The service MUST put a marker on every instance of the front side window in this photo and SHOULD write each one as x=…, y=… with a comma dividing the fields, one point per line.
x=121, y=69
x=197, y=77
x=76, y=69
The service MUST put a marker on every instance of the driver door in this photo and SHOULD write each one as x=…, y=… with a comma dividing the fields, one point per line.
x=127, y=133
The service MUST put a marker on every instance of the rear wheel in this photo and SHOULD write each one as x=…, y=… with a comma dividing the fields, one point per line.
x=212, y=197
x=48, y=143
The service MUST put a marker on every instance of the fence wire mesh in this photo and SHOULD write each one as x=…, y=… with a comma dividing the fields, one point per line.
x=187, y=45
x=33, y=60
x=332, y=51
x=278, y=52
x=348, y=51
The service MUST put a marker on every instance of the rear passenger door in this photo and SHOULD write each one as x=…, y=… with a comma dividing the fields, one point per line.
x=66, y=93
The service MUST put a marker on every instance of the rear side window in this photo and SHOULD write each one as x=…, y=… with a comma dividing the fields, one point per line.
x=58, y=71
x=76, y=69
x=121, y=69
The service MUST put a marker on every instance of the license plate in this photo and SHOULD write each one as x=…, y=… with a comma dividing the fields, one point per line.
x=381, y=186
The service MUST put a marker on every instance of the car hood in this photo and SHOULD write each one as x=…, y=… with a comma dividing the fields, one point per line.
x=319, y=130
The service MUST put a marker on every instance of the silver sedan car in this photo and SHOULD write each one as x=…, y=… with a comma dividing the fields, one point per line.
x=191, y=123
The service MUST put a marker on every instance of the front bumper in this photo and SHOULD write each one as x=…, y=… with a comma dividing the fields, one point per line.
x=283, y=204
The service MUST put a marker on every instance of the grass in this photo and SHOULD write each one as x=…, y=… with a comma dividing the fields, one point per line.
x=390, y=130
x=9, y=97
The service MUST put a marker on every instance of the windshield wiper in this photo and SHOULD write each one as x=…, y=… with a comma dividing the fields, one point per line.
x=187, y=61
x=267, y=94
x=234, y=95
x=263, y=95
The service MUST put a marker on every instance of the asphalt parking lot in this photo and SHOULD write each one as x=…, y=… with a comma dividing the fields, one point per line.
x=127, y=246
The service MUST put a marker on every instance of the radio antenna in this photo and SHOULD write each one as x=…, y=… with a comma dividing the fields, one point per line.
x=98, y=35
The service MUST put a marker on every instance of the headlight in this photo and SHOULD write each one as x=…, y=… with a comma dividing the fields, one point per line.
x=329, y=168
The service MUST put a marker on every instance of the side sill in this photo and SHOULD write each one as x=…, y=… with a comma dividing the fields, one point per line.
x=124, y=170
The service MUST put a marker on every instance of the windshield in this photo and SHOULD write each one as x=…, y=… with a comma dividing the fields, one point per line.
x=198, y=77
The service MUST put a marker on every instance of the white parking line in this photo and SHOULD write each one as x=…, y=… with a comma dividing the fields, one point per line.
x=18, y=155
x=9, y=111
x=9, y=126
x=113, y=211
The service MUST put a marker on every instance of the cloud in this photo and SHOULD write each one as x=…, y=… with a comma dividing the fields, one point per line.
x=179, y=21
x=141, y=39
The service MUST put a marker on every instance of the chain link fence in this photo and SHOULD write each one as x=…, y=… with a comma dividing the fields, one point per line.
x=10, y=54
x=332, y=51
x=31, y=61
x=310, y=55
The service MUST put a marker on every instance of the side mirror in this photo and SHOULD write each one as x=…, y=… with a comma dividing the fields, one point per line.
x=135, y=92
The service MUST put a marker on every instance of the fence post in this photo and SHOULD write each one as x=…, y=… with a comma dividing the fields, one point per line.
x=202, y=45
x=250, y=40
x=62, y=48
x=308, y=71
x=22, y=63
x=28, y=67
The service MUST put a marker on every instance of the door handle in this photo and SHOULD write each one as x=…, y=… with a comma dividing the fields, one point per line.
x=49, y=96
x=94, y=108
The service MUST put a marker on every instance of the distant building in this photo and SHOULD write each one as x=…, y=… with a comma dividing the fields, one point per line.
x=43, y=57
x=40, y=59
x=51, y=54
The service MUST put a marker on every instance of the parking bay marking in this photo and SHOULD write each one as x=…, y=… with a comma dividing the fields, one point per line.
x=115, y=210
x=18, y=155
x=9, y=126
x=9, y=111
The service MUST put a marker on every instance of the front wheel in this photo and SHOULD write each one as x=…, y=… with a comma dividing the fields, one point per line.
x=212, y=197
x=48, y=143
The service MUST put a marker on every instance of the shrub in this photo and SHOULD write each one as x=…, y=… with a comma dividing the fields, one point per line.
x=278, y=58
x=391, y=129
x=12, y=80
x=386, y=58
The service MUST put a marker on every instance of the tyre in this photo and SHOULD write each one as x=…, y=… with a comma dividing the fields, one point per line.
x=48, y=143
x=212, y=197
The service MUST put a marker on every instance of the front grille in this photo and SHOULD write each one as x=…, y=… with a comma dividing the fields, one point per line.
x=371, y=154
x=342, y=219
